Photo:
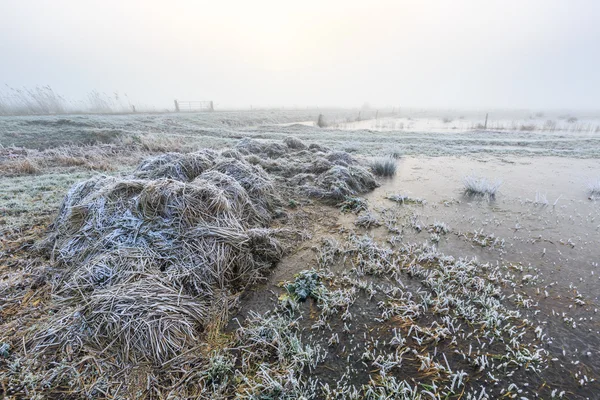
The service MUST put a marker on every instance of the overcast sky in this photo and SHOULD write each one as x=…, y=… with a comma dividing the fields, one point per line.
x=457, y=54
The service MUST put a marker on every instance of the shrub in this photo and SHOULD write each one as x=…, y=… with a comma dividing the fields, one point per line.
x=321, y=121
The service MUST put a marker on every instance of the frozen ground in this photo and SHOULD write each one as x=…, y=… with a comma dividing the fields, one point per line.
x=540, y=231
x=416, y=134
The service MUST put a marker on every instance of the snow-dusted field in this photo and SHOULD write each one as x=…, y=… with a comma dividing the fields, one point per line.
x=427, y=287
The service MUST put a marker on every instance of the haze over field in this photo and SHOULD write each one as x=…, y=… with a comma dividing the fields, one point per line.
x=467, y=54
x=346, y=200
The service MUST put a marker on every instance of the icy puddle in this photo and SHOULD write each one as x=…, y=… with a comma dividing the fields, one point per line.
x=542, y=212
x=397, y=315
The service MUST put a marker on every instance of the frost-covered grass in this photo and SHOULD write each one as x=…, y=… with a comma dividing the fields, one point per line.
x=594, y=189
x=367, y=220
x=225, y=128
x=23, y=199
x=404, y=199
x=395, y=154
x=383, y=166
x=541, y=198
x=353, y=204
x=478, y=186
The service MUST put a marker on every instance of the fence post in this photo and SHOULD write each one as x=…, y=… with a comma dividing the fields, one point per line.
x=212, y=108
x=485, y=125
x=176, y=106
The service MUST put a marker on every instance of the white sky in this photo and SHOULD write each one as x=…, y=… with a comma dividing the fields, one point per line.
x=469, y=54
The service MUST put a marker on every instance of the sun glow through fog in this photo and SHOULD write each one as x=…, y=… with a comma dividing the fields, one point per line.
x=428, y=53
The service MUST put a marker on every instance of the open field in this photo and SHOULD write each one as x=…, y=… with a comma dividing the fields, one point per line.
x=416, y=255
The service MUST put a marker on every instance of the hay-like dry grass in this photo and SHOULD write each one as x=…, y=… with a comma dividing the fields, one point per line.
x=145, y=267
x=315, y=170
x=25, y=166
x=143, y=255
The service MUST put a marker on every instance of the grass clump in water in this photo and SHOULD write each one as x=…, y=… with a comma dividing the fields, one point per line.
x=477, y=186
x=384, y=166
x=594, y=189
x=404, y=199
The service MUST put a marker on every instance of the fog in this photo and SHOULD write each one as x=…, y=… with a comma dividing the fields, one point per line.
x=458, y=54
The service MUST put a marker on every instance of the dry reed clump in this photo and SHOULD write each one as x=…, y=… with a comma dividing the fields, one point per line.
x=160, y=143
x=26, y=166
x=145, y=256
x=314, y=170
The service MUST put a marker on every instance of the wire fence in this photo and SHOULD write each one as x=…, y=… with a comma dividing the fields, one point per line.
x=193, y=106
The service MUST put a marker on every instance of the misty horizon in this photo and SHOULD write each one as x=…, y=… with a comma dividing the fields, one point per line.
x=461, y=55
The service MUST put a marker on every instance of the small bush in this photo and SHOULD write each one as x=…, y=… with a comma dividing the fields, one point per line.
x=321, y=121
x=385, y=166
